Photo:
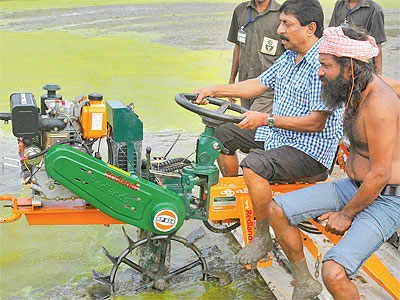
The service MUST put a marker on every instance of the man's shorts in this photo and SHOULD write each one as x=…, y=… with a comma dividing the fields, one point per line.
x=370, y=228
x=234, y=138
x=283, y=164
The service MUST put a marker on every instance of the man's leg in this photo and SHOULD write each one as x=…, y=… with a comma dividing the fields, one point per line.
x=287, y=210
x=369, y=229
x=306, y=287
x=337, y=282
x=260, y=194
x=234, y=138
x=228, y=164
x=280, y=164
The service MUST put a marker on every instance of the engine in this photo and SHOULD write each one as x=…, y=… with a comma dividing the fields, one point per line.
x=82, y=124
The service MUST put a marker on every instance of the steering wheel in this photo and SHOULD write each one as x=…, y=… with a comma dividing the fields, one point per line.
x=210, y=115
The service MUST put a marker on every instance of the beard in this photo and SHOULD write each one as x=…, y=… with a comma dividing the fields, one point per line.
x=335, y=92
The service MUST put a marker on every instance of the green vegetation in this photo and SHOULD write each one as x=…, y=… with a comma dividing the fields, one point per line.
x=127, y=69
x=42, y=4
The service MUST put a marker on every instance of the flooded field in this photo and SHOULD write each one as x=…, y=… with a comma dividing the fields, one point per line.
x=145, y=53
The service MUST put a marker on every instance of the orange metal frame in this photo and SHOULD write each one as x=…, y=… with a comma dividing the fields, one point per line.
x=59, y=214
x=242, y=209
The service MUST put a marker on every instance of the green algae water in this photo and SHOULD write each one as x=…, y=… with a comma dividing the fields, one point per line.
x=143, y=52
x=130, y=53
x=131, y=70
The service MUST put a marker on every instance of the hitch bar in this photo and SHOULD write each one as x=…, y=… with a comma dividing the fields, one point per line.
x=15, y=213
x=5, y=117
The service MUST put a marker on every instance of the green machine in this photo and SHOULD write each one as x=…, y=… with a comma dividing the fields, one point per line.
x=61, y=158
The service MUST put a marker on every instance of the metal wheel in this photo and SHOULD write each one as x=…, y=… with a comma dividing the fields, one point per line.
x=220, y=227
x=164, y=267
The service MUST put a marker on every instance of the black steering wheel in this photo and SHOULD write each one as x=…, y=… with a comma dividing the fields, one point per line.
x=185, y=100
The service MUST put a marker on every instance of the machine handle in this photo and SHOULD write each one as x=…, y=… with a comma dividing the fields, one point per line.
x=5, y=116
x=15, y=213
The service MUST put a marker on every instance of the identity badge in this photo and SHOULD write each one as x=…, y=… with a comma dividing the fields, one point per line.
x=269, y=46
x=241, y=37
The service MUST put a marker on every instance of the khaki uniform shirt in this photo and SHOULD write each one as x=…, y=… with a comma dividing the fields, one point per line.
x=367, y=14
x=262, y=46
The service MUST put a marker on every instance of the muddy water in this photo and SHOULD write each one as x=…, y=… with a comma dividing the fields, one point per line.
x=55, y=262
x=152, y=53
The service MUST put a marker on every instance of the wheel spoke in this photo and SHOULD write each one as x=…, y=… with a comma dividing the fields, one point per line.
x=145, y=287
x=184, y=269
x=132, y=264
x=159, y=280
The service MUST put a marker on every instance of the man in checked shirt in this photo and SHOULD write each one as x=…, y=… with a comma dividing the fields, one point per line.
x=299, y=139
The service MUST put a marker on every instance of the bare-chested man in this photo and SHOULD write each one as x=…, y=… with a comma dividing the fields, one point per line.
x=366, y=204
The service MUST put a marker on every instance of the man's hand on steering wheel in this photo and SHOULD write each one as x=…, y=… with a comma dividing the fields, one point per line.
x=253, y=119
x=203, y=94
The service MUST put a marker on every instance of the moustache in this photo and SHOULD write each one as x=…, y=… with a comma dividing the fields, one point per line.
x=283, y=38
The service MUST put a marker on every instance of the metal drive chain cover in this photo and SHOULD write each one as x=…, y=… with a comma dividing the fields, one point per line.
x=117, y=193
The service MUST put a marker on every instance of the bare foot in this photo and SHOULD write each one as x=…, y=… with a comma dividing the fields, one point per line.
x=258, y=248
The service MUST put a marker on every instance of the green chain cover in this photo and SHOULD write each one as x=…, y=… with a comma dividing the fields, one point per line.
x=125, y=197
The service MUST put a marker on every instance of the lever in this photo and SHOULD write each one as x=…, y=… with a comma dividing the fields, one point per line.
x=148, y=162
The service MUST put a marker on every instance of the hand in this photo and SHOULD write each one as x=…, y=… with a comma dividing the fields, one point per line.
x=338, y=222
x=203, y=93
x=253, y=119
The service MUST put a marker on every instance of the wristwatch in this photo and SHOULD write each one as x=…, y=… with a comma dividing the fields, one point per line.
x=271, y=121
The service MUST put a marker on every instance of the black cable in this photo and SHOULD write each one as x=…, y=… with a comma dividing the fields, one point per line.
x=46, y=150
x=308, y=227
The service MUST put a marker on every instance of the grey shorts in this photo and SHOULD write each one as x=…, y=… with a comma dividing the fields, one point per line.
x=278, y=165
x=233, y=138
x=370, y=228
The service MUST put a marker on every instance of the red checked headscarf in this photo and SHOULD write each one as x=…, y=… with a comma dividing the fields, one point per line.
x=335, y=42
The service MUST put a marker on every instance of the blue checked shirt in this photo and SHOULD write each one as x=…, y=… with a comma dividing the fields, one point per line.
x=297, y=93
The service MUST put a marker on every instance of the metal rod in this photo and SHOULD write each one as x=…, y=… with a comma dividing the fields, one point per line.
x=184, y=269
x=133, y=265
x=172, y=146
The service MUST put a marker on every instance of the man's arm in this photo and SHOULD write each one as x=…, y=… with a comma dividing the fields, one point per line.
x=376, y=28
x=232, y=37
x=380, y=123
x=378, y=60
x=235, y=64
x=235, y=67
x=244, y=89
x=381, y=128
x=313, y=122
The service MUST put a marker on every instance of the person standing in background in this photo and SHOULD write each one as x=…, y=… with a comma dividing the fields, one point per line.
x=257, y=46
x=365, y=14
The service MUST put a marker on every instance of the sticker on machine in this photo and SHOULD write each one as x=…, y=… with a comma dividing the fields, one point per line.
x=97, y=121
x=165, y=220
